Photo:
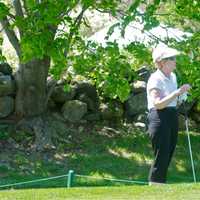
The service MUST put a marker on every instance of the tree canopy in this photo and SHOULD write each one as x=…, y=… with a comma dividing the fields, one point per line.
x=51, y=28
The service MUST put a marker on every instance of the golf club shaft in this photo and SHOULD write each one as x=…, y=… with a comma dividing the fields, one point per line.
x=190, y=149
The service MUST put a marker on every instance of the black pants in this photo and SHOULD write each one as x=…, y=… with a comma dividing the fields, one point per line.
x=163, y=131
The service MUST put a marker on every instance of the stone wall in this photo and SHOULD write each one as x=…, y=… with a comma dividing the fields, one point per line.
x=7, y=90
x=82, y=103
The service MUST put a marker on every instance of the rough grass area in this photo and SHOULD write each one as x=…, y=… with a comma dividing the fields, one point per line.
x=98, y=151
x=165, y=192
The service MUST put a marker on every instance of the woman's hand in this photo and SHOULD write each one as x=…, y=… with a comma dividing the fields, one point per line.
x=184, y=88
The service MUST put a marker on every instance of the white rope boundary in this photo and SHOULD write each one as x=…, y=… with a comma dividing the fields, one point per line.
x=112, y=179
x=75, y=175
x=33, y=181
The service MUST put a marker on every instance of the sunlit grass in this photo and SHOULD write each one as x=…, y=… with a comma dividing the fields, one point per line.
x=165, y=192
x=124, y=156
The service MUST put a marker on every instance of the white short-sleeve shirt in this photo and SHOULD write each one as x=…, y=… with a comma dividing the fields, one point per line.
x=165, y=84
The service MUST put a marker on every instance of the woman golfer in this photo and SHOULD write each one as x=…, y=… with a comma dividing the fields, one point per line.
x=162, y=96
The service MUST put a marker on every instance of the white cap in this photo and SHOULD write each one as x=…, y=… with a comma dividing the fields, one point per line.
x=161, y=52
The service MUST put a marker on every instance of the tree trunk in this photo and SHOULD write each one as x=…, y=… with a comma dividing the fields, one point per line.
x=31, y=88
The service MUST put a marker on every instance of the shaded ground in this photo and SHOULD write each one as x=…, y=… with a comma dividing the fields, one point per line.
x=96, y=150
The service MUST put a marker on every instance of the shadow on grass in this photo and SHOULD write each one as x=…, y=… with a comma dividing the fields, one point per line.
x=120, y=155
x=129, y=157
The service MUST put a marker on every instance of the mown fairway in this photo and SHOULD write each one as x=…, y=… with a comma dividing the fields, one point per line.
x=166, y=192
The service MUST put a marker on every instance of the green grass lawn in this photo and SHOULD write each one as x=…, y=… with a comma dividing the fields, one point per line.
x=164, y=192
x=102, y=153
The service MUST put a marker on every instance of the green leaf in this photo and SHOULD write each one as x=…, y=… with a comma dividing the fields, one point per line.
x=4, y=10
x=112, y=29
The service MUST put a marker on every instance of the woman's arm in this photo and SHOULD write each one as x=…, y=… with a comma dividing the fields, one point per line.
x=161, y=102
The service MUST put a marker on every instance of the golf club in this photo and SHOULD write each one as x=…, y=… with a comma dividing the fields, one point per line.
x=183, y=99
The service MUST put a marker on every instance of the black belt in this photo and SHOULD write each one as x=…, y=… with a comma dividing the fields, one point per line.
x=170, y=108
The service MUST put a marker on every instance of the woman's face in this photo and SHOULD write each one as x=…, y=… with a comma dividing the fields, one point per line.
x=169, y=64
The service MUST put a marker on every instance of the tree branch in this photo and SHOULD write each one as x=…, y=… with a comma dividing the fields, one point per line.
x=70, y=9
x=25, y=6
x=11, y=35
x=77, y=23
x=19, y=12
x=123, y=14
x=85, y=22
x=79, y=18
x=1, y=29
x=18, y=8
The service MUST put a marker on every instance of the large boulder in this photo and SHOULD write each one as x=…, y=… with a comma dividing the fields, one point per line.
x=92, y=116
x=143, y=73
x=59, y=94
x=7, y=85
x=182, y=123
x=111, y=110
x=74, y=110
x=185, y=107
x=91, y=105
x=6, y=106
x=192, y=110
x=5, y=68
x=138, y=87
x=87, y=93
x=196, y=117
x=195, y=112
x=141, y=117
x=136, y=104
